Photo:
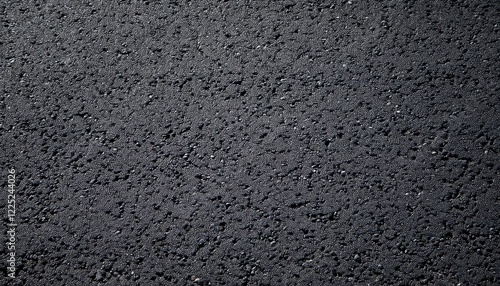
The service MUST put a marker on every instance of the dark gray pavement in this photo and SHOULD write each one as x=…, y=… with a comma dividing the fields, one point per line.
x=251, y=142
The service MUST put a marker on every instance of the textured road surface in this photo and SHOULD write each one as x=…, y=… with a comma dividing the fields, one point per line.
x=251, y=142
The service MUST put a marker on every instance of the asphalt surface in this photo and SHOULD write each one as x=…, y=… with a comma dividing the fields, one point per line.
x=251, y=142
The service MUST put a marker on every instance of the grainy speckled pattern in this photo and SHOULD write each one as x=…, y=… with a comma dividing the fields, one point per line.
x=252, y=142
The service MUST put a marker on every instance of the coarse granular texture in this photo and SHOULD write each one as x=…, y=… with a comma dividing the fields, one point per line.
x=251, y=142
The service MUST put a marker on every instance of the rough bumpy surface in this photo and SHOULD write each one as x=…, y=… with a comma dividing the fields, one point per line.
x=252, y=142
